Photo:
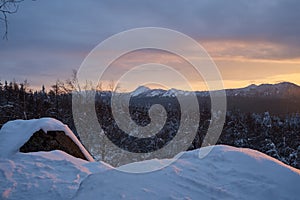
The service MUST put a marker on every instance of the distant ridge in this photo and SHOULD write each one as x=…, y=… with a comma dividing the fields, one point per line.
x=283, y=89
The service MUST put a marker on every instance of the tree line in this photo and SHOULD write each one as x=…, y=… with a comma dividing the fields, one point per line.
x=277, y=136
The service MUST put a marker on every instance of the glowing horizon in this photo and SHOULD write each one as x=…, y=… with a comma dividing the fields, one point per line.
x=246, y=50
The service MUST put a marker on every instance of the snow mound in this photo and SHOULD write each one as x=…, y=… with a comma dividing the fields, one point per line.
x=16, y=133
x=226, y=173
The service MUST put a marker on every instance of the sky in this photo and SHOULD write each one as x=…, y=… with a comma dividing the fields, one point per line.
x=251, y=42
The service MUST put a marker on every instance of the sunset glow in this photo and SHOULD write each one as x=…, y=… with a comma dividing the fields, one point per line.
x=250, y=42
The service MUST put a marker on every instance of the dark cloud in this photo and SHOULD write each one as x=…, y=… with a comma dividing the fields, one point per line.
x=84, y=23
x=56, y=35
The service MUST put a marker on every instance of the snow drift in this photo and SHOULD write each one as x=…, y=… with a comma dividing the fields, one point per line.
x=225, y=173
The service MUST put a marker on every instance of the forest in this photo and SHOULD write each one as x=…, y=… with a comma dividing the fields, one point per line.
x=268, y=131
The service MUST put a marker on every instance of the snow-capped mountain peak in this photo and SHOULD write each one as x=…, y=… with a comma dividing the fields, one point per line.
x=140, y=90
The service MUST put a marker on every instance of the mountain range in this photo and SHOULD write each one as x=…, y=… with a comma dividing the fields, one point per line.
x=282, y=90
x=279, y=99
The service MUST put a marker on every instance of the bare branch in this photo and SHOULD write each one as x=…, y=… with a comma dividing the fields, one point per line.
x=8, y=7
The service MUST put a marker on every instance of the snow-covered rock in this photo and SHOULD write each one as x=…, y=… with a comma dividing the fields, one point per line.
x=15, y=134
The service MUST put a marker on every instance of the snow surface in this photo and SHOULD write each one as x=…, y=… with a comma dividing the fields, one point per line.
x=16, y=133
x=44, y=175
x=225, y=173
